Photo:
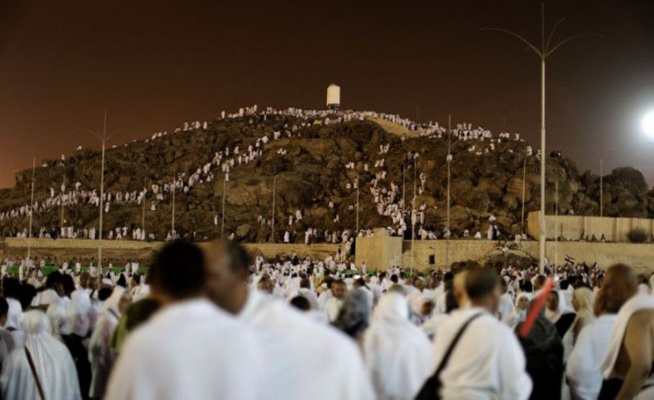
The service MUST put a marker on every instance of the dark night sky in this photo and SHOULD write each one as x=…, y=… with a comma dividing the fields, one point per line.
x=155, y=64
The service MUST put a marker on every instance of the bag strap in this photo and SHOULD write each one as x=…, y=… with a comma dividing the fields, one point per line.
x=36, y=375
x=448, y=353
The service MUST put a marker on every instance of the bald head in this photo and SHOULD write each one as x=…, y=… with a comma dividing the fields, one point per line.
x=620, y=284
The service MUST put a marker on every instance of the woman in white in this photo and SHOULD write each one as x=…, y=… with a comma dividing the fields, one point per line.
x=101, y=355
x=397, y=353
x=520, y=311
x=53, y=365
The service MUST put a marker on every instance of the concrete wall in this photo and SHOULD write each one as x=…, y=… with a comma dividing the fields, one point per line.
x=128, y=249
x=270, y=250
x=80, y=244
x=379, y=252
x=573, y=227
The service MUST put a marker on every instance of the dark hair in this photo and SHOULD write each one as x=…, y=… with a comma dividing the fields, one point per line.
x=11, y=288
x=53, y=279
x=122, y=281
x=527, y=286
x=564, y=284
x=480, y=283
x=394, y=278
x=301, y=303
x=68, y=283
x=178, y=270
x=27, y=294
x=4, y=307
x=104, y=293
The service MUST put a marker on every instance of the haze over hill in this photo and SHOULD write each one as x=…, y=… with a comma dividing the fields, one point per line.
x=309, y=160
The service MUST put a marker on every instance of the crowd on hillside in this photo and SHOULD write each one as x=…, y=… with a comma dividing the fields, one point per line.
x=207, y=323
x=387, y=192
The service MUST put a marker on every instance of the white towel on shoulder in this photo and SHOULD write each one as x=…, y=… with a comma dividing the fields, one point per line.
x=638, y=302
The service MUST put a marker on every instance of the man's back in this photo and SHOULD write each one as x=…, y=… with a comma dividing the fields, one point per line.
x=310, y=361
x=487, y=362
x=190, y=350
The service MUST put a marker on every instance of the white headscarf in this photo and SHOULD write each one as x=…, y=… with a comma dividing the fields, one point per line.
x=80, y=316
x=397, y=353
x=14, y=314
x=52, y=362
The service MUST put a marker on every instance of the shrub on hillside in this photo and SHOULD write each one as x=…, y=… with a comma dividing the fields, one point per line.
x=637, y=235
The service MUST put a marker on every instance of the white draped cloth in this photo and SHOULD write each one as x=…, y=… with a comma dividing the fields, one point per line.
x=583, y=368
x=79, y=316
x=14, y=316
x=487, y=363
x=52, y=361
x=636, y=303
x=309, y=360
x=397, y=353
x=101, y=354
x=191, y=350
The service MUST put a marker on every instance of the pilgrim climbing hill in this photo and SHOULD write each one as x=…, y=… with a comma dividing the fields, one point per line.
x=311, y=164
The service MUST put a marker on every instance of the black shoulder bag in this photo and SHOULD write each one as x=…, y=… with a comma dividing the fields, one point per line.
x=430, y=390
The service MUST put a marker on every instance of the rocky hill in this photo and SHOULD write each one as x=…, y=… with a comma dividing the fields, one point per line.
x=310, y=173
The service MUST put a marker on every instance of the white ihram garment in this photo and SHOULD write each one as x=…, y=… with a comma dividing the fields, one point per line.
x=190, y=350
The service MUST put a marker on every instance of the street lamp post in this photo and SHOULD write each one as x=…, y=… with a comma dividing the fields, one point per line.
x=602, y=155
x=449, y=186
x=222, y=226
x=357, y=185
x=103, y=139
x=29, y=237
x=174, y=189
x=272, y=236
x=545, y=50
x=145, y=191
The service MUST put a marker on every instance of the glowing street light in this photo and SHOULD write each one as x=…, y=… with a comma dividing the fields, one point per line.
x=648, y=123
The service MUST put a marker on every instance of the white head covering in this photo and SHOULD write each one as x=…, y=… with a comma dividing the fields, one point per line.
x=397, y=353
x=80, y=315
x=52, y=362
x=14, y=314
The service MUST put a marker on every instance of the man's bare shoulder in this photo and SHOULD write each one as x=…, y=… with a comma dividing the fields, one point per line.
x=641, y=318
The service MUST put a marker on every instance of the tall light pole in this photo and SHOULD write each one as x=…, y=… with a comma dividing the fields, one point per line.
x=524, y=190
x=357, y=187
x=449, y=191
x=545, y=50
x=222, y=226
x=145, y=192
x=601, y=176
x=556, y=213
x=104, y=139
x=272, y=236
x=448, y=206
x=29, y=237
x=174, y=188
x=413, y=214
x=61, y=218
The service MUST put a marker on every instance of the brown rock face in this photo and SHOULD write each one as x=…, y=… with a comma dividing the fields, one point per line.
x=312, y=173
